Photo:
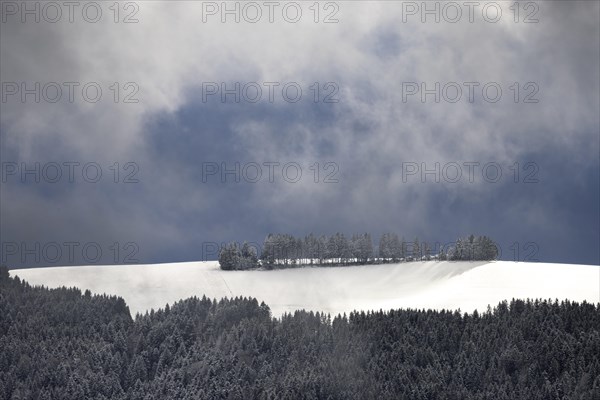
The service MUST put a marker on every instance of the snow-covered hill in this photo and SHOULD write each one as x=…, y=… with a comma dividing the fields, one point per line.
x=450, y=285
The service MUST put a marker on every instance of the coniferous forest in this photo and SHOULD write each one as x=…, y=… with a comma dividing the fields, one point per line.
x=285, y=251
x=65, y=344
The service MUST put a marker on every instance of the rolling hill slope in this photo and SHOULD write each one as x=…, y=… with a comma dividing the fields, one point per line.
x=450, y=285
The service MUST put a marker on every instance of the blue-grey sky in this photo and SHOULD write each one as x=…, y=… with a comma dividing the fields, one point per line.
x=367, y=143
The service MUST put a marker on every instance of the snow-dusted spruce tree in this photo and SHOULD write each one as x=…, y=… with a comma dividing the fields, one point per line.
x=249, y=257
x=290, y=253
x=332, y=252
x=480, y=248
x=344, y=248
x=365, y=248
x=322, y=249
x=300, y=251
x=416, y=249
x=355, y=248
x=268, y=251
x=385, y=251
x=228, y=256
x=487, y=248
x=311, y=248
x=232, y=258
x=395, y=248
x=280, y=249
x=471, y=245
x=458, y=251
x=426, y=251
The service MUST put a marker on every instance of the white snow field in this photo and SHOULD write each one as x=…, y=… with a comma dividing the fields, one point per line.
x=432, y=284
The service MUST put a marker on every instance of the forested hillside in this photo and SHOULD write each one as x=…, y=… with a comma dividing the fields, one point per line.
x=62, y=344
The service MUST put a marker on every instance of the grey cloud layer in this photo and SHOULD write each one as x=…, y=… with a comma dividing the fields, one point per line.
x=368, y=134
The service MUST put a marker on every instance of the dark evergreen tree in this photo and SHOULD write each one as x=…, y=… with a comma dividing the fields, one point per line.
x=416, y=250
x=229, y=257
x=62, y=344
x=268, y=252
x=284, y=250
x=395, y=248
x=249, y=258
x=404, y=249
